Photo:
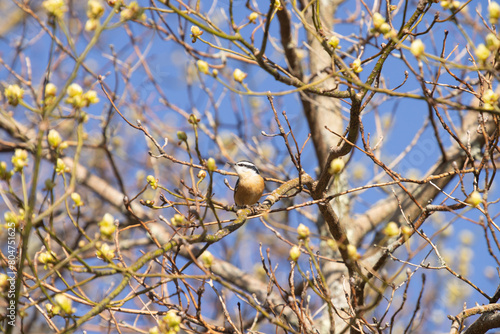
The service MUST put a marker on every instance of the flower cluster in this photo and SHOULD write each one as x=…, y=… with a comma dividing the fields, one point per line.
x=107, y=226
x=61, y=167
x=450, y=4
x=47, y=258
x=12, y=218
x=78, y=99
x=14, y=94
x=490, y=99
x=95, y=10
x=356, y=66
x=380, y=26
x=178, y=220
x=55, y=8
x=105, y=253
x=62, y=306
x=133, y=12
x=169, y=324
x=20, y=159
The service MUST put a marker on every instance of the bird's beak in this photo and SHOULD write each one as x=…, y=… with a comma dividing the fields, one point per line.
x=230, y=164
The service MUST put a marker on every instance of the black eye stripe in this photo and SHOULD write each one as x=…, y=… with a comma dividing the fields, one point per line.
x=248, y=164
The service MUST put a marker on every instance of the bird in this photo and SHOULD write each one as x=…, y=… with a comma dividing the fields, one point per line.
x=249, y=186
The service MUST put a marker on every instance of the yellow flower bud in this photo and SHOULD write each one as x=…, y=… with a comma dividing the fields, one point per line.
x=152, y=181
x=52, y=310
x=406, y=231
x=64, y=303
x=50, y=90
x=202, y=174
x=91, y=24
x=171, y=322
x=178, y=220
x=181, y=135
x=74, y=90
x=492, y=42
x=154, y=330
x=332, y=244
x=352, y=252
x=207, y=259
x=391, y=229
x=77, y=199
x=60, y=166
x=482, y=52
x=385, y=28
x=336, y=166
x=3, y=282
x=193, y=119
x=474, y=198
x=450, y=4
x=378, y=20
x=196, y=31
x=211, y=165
x=5, y=174
x=54, y=138
x=11, y=218
x=494, y=11
x=294, y=253
x=47, y=257
x=417, y=48
x=303, y=231
x=239, y=75
x=334, y=42
x=391, y=34
x=253, y=17
x=202, y=66
x=107, y=225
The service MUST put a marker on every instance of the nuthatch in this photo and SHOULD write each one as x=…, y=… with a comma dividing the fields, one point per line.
x=250, y=185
